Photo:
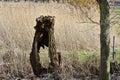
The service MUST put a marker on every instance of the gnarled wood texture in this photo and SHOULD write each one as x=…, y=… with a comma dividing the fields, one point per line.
x=44, y=36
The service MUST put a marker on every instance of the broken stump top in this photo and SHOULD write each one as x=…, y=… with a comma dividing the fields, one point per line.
x=45, y=22
x=45, y=19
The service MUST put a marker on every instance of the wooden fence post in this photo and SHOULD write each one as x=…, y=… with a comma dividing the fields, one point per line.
x=114, y=53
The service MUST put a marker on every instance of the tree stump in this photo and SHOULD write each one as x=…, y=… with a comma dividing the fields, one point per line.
x=44, y=36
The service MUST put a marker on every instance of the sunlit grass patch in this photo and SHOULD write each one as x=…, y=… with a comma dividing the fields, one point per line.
x=117, y=56
x=117, y=11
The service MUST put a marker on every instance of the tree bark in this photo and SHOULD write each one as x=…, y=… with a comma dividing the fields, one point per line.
x=44, y=36
x=34, y=57
x=104, y=40
x=54, y=57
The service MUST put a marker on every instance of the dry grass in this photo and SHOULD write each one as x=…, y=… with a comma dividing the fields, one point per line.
x=17, y=66
x=72, y=34
x=18, y=19
x=16, y=35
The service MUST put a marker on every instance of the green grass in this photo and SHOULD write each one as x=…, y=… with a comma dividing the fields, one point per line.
x=2, y=53
x=117, y=55
x=81, y=56
x=72, y=62
x=117, y=11
x=85, y=55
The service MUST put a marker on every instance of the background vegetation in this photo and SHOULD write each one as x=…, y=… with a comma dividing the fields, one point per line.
x=77, y=38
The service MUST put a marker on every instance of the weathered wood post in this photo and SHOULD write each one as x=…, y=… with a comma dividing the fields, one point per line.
x=52, y=49
x=39, y=41
x=55, y=57
x=34, y=57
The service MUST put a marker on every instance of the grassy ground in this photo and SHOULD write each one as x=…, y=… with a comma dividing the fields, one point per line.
x=117, y=11
x=74, y=65
x=118, y=55
x=116, y=19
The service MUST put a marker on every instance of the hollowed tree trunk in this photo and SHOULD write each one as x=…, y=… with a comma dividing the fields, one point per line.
x=40, y=41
